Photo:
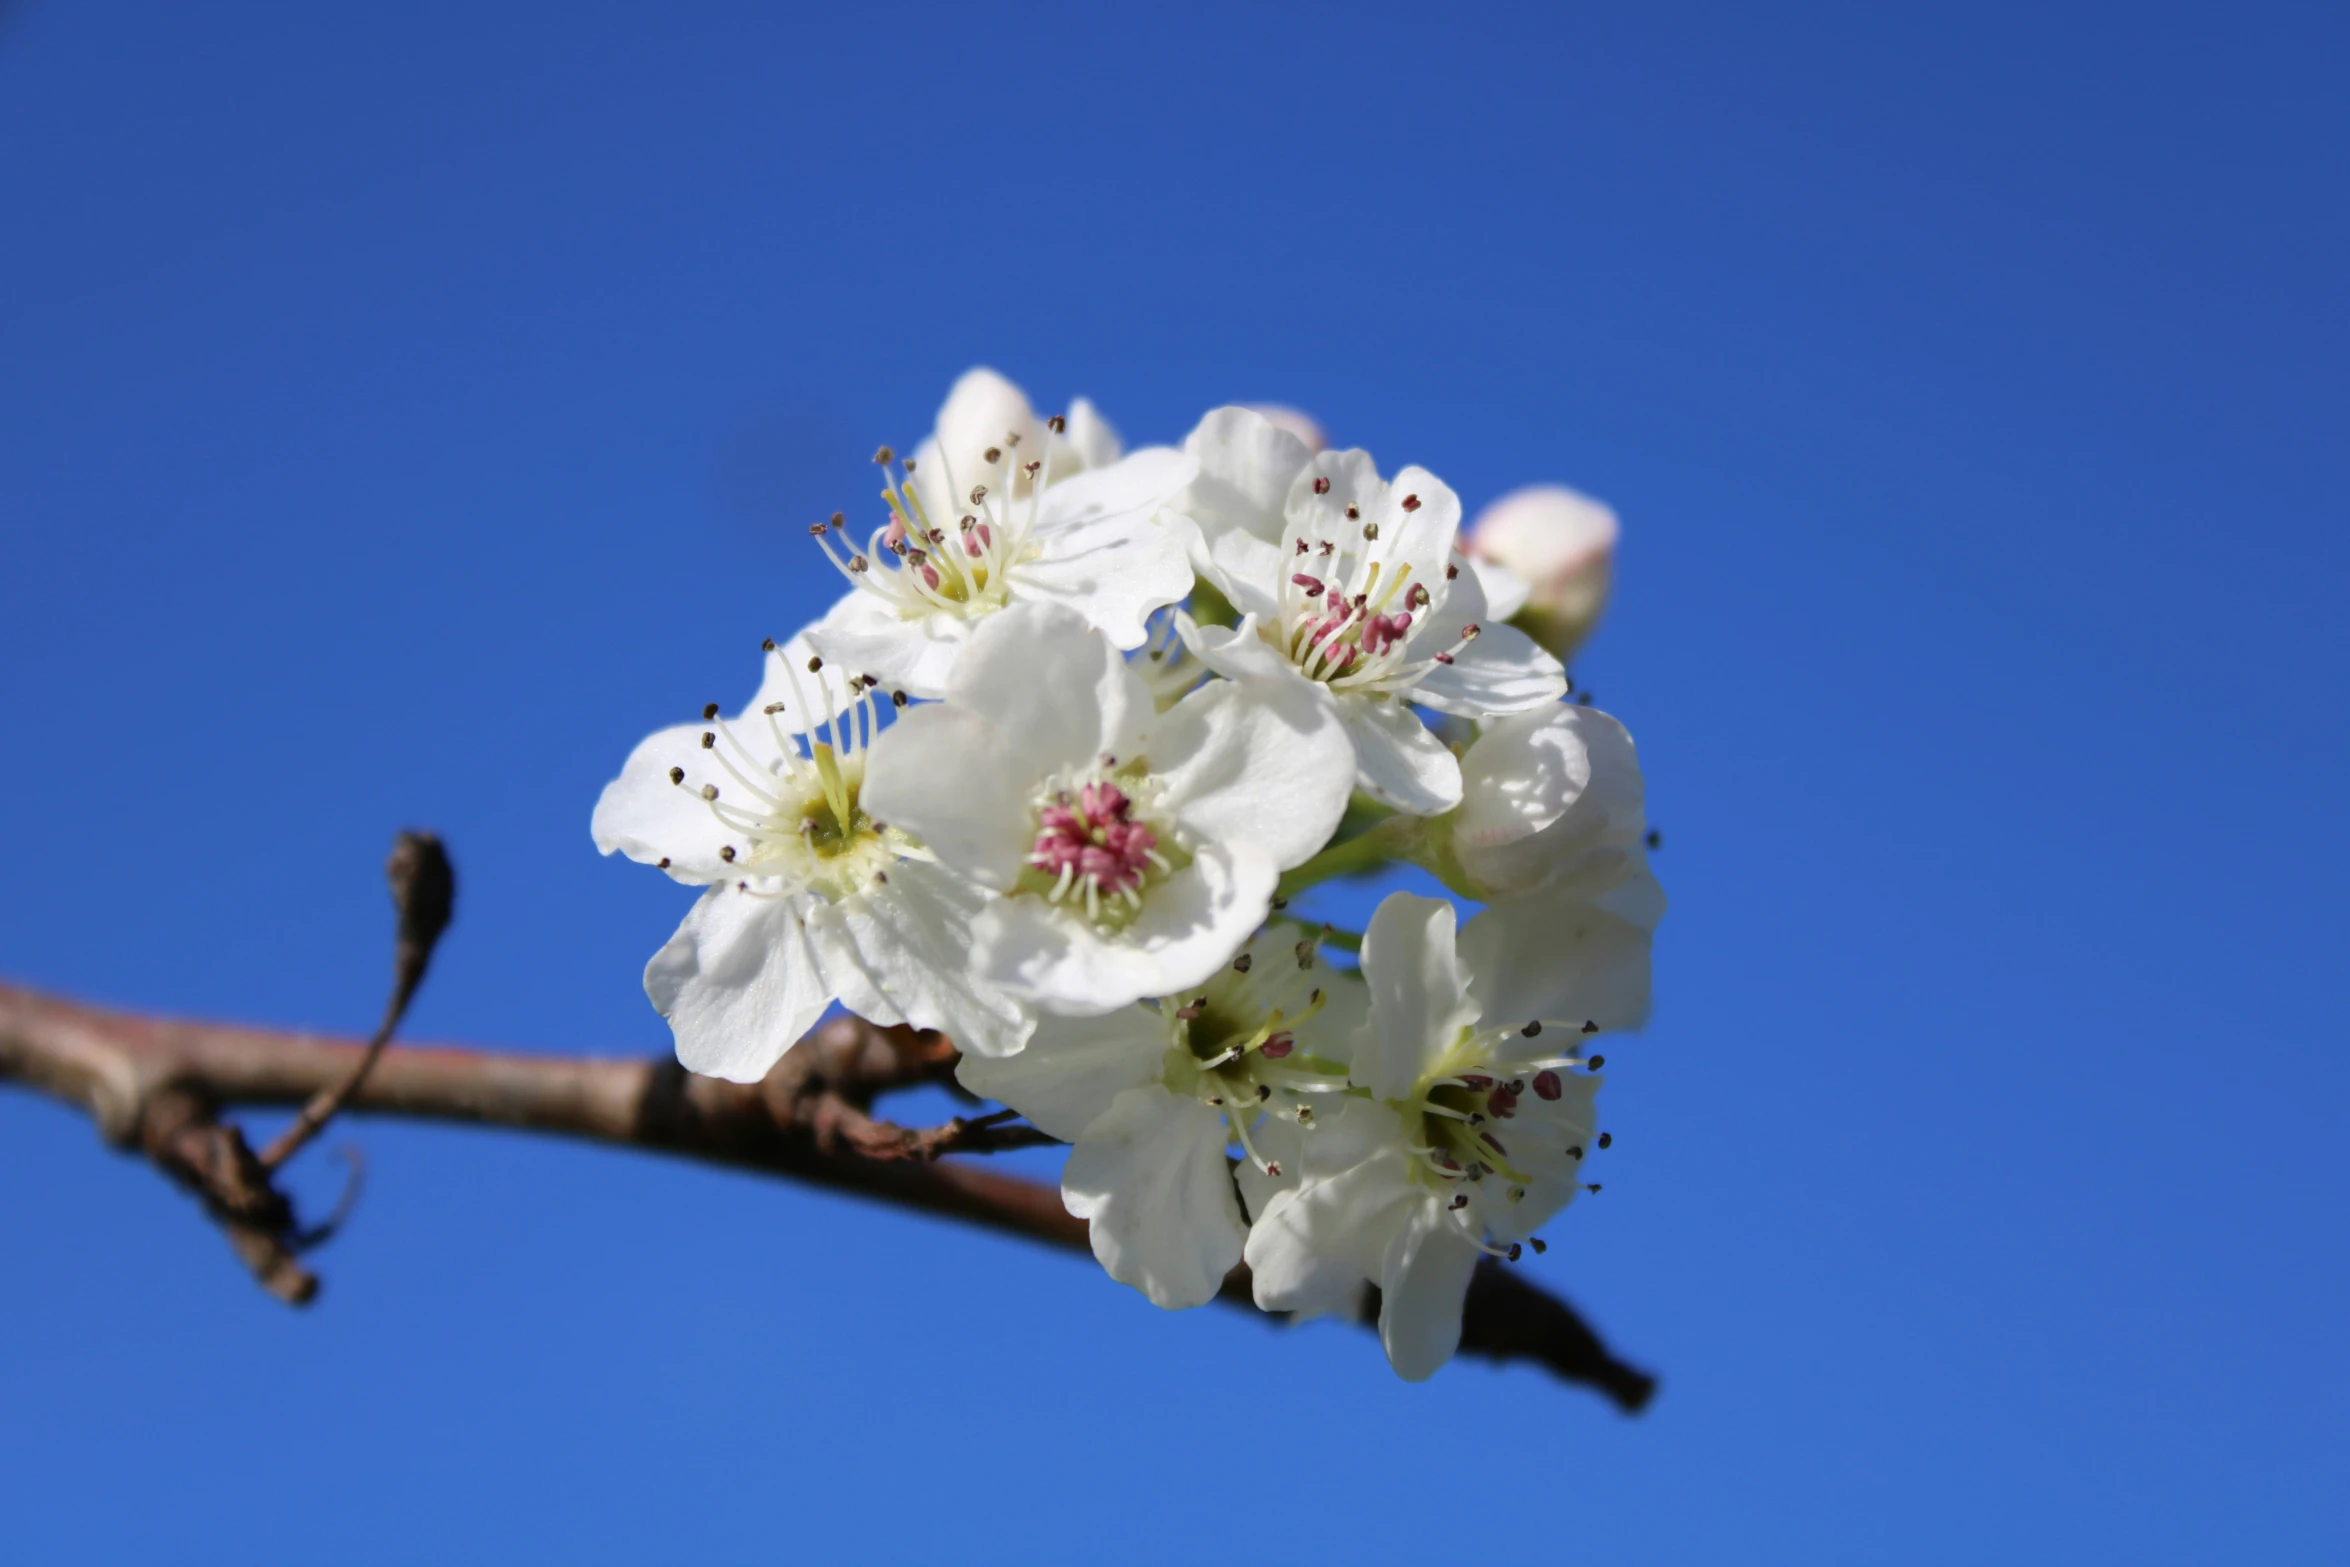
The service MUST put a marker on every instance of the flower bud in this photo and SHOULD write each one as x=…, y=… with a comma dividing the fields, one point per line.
x=1561, y=546
x=1301, y=425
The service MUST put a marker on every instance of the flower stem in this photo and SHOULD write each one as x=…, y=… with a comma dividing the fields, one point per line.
x=1356, y=856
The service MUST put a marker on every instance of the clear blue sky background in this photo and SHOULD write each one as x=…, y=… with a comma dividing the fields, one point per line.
x=403, y=409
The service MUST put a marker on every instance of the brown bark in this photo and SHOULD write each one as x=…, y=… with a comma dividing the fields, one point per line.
x=160, y=1088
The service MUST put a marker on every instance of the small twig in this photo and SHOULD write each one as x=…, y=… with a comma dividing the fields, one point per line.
x=424, y=890
x=837, y=1118
x=353, y=1182
x=994, y=1133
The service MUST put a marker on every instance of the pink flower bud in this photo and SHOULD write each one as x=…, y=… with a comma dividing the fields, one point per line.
x=1300, y=425
x=1561, y=546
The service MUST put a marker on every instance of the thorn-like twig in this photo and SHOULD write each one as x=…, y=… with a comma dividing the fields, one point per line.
x=424, y=890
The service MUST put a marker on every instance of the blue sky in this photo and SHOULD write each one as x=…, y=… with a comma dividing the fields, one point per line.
x=400, y=413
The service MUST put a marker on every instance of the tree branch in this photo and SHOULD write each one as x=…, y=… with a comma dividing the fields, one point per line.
x=158, y=1088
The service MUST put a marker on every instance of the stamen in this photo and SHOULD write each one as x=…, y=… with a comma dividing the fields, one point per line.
x=1237, y=1122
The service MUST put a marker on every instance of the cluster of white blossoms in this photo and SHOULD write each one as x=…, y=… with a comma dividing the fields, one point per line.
x=1048, y=774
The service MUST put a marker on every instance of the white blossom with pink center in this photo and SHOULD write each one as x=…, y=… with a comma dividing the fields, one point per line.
x=1132, y=851
x=1352, y=586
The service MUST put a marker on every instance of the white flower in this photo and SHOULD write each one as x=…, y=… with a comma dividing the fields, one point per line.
x=997, y=511
x=1546, y=555
x=1134, y=850
x=1350, y=585
x=810, y=899
x=1475, y=1131
x=1152, y=1095
x=1552, y=802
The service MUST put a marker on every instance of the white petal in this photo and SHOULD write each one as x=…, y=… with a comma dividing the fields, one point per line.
x=865, y=636
x=1460, y=603
x=1345, y=1134
x=1073, y=1067
x=1417, y=539
x=1504, y=590
x=645, y=816
x=1502, y=671
x=1423, y=1283
x=1397, y=761
x=981, y=410
x=1137, y=484
x=1246, y=467
x=899, y=951
x=1256, y=761
x=1346, y=1007
x=1316, y=1245
x=1237, y=652
x=738, y=983
x=1190, y=925
x=1150, y=1179
x=1054, y=688
x=1520, y=776
x=1091, y=436
x=960, y=785
x=1566, y=958
x=1113, y=568
x=1542, y=792
x=1428, y=529
x=1420, y=997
